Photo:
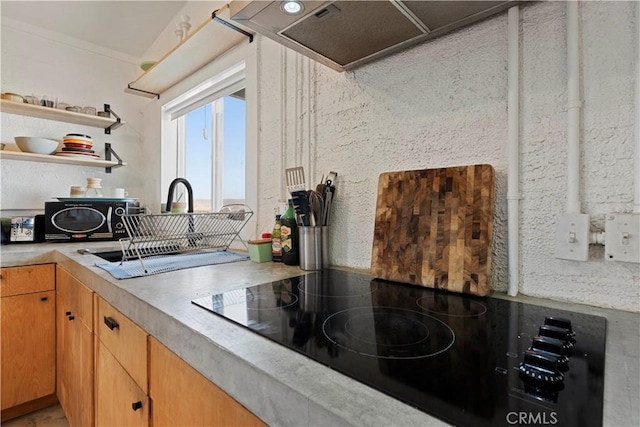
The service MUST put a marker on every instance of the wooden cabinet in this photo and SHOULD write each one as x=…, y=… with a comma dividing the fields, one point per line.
x=75, y=368
x=121, y=369
x=119, y=399
x=27, y=336
x=182, y=396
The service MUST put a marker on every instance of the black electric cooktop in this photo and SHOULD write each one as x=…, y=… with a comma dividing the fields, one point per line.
x=467, y=360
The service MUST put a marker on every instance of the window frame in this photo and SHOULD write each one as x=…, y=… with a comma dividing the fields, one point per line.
x=244, y=53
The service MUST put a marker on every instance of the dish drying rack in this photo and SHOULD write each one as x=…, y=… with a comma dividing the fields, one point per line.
x=169, y=234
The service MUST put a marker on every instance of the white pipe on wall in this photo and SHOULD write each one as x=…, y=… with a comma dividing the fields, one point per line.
x=574, y=106
x=636, y=197
x=513, y=179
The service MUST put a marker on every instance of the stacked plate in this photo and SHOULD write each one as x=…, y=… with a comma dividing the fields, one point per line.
x=77, y=145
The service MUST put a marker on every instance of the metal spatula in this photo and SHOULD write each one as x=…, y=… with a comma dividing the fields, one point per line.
x=295, y=179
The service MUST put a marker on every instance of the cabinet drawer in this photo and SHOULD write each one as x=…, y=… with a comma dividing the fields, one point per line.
x=126, y=340
x=27, y=279
x=119, y=400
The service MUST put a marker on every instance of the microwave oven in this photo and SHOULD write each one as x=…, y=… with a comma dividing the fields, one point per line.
x=87, y=220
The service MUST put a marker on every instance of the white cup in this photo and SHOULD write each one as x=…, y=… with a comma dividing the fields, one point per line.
x=119, y=193
x=77, y=191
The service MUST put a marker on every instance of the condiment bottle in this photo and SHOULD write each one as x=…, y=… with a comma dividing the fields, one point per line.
x=289, y=236
x=276, y=246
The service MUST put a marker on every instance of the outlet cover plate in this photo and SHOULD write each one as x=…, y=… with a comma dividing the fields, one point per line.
x=572, y=237
x=622, y=237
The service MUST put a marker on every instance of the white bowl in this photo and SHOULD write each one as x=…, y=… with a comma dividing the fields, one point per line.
x=30, y=144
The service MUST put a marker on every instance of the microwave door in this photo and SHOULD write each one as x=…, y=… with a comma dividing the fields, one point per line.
x=78, y=220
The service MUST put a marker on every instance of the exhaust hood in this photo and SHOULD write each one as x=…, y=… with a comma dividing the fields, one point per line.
x=346, y=34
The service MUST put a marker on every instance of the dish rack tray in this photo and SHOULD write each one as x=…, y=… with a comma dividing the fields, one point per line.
x=168, y=234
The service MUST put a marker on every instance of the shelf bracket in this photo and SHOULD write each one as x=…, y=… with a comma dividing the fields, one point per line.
x=108, y=151
x=216, y=18
x=146, y=92
x=117, y=123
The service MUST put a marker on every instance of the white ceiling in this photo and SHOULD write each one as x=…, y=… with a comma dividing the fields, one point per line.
x=129, y=27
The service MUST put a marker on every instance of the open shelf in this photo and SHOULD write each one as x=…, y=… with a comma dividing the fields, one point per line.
x=49, y=113
x=208, y=41
x=51, y=158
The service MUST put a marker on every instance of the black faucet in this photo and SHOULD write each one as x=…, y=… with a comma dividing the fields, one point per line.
x=189, y=193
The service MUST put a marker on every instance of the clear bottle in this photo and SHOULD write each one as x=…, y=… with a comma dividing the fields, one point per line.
x=276, y=245
x=289, y=233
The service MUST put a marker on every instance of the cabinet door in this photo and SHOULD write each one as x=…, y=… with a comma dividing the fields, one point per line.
x=27, y=344
x=119, y=400
x=75, y=367
x=182, y=396
x=26, y=279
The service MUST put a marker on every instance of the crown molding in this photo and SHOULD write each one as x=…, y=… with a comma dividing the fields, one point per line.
x=56, y=37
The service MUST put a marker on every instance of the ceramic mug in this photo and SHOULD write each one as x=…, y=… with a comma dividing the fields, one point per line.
x=119, y=193
x=77, y=191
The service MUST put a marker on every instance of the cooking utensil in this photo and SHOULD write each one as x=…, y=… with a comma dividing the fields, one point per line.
x=327, y=206
x=315, y=202
x=295, y=179
x=434, y=228
x=301, y=205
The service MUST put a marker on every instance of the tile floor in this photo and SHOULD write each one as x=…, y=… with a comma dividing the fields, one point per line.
x=47, y=417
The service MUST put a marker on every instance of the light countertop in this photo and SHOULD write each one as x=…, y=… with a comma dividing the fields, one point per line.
x=281, y=386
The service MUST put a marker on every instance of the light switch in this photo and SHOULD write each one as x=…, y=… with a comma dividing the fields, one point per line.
x=572, y=237
x=622, y=237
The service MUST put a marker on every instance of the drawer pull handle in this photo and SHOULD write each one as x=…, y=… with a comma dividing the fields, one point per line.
x=136, y=405
x=110, y=322
x=71, y=317
x=68, y=313
x=44, y=299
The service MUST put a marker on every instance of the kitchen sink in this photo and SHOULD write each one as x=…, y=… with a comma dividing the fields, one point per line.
x=111, y=256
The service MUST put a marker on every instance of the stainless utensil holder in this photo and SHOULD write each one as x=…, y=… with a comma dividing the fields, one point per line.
x=314, y=251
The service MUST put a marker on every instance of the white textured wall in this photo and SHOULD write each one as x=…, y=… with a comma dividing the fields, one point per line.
x=33, y=63
x=443, y=103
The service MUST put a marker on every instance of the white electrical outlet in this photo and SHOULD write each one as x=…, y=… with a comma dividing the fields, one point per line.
x=622, y=237
x=572, y=237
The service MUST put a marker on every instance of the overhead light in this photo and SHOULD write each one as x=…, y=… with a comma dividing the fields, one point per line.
x=292, y=7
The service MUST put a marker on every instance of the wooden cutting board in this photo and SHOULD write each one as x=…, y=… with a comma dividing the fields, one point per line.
x=434, y=228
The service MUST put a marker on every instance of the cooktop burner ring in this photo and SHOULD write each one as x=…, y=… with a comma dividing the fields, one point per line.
x=420, y=338
x=244, y=297
x=368, y=291
x=467, y=312
x=420, y=346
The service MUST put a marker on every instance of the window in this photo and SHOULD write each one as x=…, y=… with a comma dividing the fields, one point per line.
x=208, y=124
x=211, y=153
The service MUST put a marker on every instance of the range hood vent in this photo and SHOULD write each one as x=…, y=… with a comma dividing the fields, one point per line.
x=346, y=34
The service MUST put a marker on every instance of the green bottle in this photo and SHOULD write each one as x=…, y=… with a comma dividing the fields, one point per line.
x=289, y=236
x=276, y=243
